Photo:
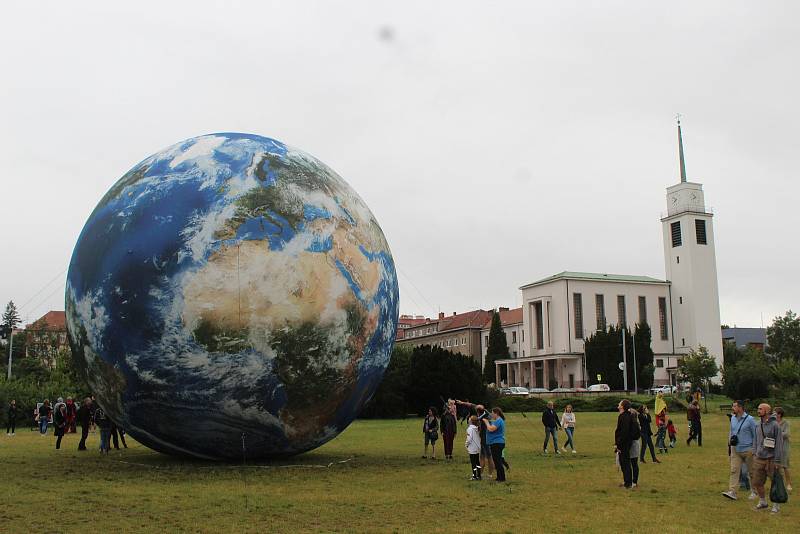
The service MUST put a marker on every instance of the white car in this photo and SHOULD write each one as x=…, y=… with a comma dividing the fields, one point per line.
x=517, y=391
x=666, y=390
x=598, y=387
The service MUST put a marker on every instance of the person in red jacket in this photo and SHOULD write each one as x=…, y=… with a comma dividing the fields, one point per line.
x=72, y=415
x=672, y=433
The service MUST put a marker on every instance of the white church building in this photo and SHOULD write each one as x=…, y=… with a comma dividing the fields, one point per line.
x=560, y=311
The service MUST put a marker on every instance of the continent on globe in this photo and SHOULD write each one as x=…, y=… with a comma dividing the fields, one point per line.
x=231, y=287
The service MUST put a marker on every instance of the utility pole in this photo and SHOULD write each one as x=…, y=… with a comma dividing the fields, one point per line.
x=635, y=369
x=10, y=352
x=624, y=362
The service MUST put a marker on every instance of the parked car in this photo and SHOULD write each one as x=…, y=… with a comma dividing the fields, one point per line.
x=599, y=387
x=517, y=391
x=538, y=390
x=666, y=390
x=563, y=390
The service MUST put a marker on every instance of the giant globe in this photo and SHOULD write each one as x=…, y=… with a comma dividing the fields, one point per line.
x=229, y=296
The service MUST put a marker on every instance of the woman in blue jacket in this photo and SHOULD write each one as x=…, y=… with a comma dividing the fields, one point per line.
x=496, y=437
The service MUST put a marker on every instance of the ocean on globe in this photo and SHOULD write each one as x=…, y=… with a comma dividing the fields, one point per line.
x=232, y=295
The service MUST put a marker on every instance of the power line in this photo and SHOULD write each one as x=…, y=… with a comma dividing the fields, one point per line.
x=28, y=314
x=43, y=288
x=421, y=294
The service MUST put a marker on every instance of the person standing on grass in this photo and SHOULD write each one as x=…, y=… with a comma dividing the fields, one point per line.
x=661, y=431
x=85, y=420
x=430, y=429
x=473, y=445
x=44, y=416
x=486, y=453
x=695, y=427
x=72, y=415
x=550, y=422
x=673, y=433
x=104, y=424
x=449, y=426
x=59, y=422
x=784, y=465
x=496, y=437
x=625, y=435
x=568, y=424
x=768, y=453
x=11, y=421
x=741, y=438
x=117, y=431
x=647, y=434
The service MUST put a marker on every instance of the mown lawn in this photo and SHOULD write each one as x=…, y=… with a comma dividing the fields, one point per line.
x=372, y=479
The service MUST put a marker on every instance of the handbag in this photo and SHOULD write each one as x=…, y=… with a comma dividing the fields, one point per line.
x=777, y=492
x=734, y=440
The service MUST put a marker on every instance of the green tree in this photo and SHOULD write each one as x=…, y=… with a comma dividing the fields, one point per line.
x=730, y=353
x=786, y=373
x=604, y=354
x=497, y=349
x=390, y=397
x=783, y=337
x=437, y=374
x=11, y=315
x=749, y=378
x=697, y=367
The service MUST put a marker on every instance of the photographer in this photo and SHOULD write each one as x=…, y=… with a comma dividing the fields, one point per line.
x=741, y=438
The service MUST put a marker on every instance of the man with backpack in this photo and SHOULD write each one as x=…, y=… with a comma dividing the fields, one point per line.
x=740, y=448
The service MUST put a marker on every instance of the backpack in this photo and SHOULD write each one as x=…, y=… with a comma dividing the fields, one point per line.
x=636, y=432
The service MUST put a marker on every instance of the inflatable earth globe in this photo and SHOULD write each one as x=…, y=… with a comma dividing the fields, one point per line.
x=232, y=296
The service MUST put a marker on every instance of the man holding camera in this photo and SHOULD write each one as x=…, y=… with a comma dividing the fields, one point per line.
x=740, y=447
x=768, y=452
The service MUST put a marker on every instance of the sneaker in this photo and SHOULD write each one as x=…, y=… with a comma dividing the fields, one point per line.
x=558, y=452
x=761, y=506
x=574, y=451
x=656, y=461
x=730, y=494
x=775, y=508
x=634, y=485
x=544, y=452
x=753, y=496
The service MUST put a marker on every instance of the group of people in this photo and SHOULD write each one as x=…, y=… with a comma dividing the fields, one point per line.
x=762, y=446
x=485, y=440
x=65, y=416
x=552, y=423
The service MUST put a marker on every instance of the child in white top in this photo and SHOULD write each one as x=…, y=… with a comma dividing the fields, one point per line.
x=473, y=445
x=568, y=424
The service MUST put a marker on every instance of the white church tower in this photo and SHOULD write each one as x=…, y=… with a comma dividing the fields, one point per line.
x=691, y=266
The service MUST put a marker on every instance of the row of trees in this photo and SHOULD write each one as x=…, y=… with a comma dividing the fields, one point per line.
x=604, y=355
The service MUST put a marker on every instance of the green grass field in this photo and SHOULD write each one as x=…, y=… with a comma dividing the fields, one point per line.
x=372, y=479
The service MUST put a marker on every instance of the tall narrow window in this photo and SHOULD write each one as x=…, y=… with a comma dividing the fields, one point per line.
x=675, y=229
x=662, y=316
x=577, y=301
x=513, y=336
x=700, y=230
x=600, y=311
x=622, y=316
x=642, y=310
x=537, y=310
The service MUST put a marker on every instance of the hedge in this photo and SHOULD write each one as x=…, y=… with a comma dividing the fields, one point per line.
x=605, y=403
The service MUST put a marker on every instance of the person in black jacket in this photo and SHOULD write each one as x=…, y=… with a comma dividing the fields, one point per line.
x=11, y=423
x=59, y=422
x=626, y=433
x=104, y=424
x=449, y=425
x=550, y=422
x=647, y=434
x=85, y=420
x=115, y=430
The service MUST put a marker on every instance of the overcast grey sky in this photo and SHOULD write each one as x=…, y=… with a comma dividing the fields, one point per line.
x=496, y=142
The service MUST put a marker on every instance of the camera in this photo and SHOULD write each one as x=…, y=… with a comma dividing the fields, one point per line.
x=734, y=441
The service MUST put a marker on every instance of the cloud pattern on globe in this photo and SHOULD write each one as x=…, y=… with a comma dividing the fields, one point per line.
x=231, y=286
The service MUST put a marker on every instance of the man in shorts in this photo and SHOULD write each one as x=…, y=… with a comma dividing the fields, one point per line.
x=768, y=453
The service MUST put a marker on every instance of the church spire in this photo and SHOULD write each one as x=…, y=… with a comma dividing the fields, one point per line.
x=680, y=150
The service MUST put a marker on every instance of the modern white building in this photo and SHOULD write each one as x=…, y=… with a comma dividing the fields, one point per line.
x=682, y=310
